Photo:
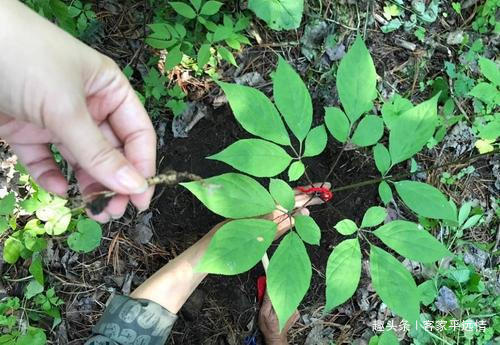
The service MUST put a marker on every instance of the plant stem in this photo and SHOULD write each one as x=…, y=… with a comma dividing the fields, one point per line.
x=401, y=176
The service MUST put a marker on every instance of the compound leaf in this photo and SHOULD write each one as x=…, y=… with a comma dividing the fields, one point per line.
x=288, y=276
x=425, y=200
x=203, y=55
x=255, y=112
x=307, y=228
x=282, y=193
x=278, y=14
x=394, y=285
x=412, y=242
x=373, y=216
x=232, y=195
x=370, y=129
x=87, y=236
x=296, y=170
x=224, y=253
x=343, y=271
x=296, y=107
x=337, y=123
x=412, y=130
x=256, y=157
x=315, y=141
x=382, y=158
x=356, y=80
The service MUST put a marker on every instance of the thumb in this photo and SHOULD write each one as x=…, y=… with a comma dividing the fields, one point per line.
x=95, y=154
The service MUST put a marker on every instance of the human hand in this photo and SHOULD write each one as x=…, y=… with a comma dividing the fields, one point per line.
x=302, y=201
x=269, y=324
x=56, y=90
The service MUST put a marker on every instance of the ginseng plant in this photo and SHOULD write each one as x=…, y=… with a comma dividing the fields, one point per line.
x=241, y=243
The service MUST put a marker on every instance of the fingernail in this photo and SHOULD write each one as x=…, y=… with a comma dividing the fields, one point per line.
x=131, y=180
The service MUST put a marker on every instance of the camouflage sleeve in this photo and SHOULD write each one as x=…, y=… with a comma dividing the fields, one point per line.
x=128, y=321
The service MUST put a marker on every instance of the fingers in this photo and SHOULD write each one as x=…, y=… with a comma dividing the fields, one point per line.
x=40, y=163
x=133, y=127
x=302, y=199
x=96, y=155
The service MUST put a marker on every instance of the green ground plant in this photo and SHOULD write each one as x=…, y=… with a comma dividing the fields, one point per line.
x=198, y=29
x=240, y=197
x=27, y=224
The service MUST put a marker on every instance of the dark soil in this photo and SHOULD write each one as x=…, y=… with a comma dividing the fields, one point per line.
x=229, y=302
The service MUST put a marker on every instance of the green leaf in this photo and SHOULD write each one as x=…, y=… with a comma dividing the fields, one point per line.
x=288, y=277
x=4, y=224
x=385, y=192
x=382, y=158
x=369, y=131
x=491, y=131
x=183, y=9
x=394, y=285
x=12, y=250
x=249, y=236
x=412, y=242
x=315, y=141
x=203, y=55
x=343, y=271
x=296, y=107
x=428, y=292
x=346, y=227
x=196, y=4
x=34, y=336
x=32, y=289
x=486, y=92
x=357, y=80
x=337, y=123
x=388, y=338
x=307, y=228
x=425, y=200
x=490, y=70
x=227, y=55
x=278, y=14
x=255, y=112
x=296, y=170
x=7, y=204
x=374, y=340
x=282, y=193
x=412, y=130
x=392, y=109
x=87, y=236
x=373, y=216
x=173, y=58
x=256, y=157
x=36, y=269
x=232, y=195
x=210, y=8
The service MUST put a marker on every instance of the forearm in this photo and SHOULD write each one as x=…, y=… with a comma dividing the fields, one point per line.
x=172, y=285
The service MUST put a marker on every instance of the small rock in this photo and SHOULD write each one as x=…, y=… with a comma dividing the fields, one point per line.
x=476, y=257
x=455, y=37
x=447, y=300
x=183, y=123
x=336, y=53
x=250, y=79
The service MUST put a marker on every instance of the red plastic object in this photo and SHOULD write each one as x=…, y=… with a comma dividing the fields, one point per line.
x=261, y=288
x=324, y=193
